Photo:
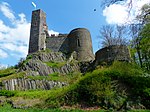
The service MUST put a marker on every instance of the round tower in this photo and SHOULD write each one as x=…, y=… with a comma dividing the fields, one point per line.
x=113, y=53
x=80, y=42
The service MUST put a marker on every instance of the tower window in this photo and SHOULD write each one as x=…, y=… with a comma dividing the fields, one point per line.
x=78, y=43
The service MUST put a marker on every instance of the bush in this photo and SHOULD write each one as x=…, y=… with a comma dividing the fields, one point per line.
x=7, y=93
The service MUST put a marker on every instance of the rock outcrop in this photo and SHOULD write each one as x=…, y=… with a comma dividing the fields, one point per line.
x=29, y=84
x=37, y=65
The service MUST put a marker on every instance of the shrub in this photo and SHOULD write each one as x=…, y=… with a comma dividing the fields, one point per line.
x=7, y=93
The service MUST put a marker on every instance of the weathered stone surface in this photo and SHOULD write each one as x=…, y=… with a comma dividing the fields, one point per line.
x=2, y=100
x=58, y=43
x=36, y=66
x=38, y=32
x=24, y=103
x=49, y=56
x=42, y=69
x=29, y=84
x=86, y=66
x=80, y=41
x=112, y=53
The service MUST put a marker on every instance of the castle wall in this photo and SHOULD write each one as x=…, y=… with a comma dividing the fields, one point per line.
x=113, y=53
x=58, y=43
x=80, y=42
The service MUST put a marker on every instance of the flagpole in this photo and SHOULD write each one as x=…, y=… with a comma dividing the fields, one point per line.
x=34, y=5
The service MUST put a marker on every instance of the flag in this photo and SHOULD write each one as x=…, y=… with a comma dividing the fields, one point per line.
x=34, y=5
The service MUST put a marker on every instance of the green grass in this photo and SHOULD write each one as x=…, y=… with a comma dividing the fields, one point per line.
x=139, y=111
x=7, y=72
x=69, y=78
x=8, y=108
x=14, y=75
x=55, y=64
x=95, y=88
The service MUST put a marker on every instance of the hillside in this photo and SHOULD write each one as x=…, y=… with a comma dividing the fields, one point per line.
x=53, y=80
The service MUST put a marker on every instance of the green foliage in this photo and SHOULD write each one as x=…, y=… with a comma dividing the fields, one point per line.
x=55, y=64
x=99, y=87
x=69, y=78
x=23, y=61
x=15, y=75
x=6, y=72
x=7, y=93
x=144, y=46
x=145, y=34
x=134, y=77
x=95, y=87
x=8, y=108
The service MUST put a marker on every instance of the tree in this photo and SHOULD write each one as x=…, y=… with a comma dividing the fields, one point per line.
x=139, y=32
x=145, y=46
x=113, y=35
x=144, y=16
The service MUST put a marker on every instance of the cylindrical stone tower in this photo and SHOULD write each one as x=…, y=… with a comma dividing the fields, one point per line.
x=112, y=53
x=80, y=42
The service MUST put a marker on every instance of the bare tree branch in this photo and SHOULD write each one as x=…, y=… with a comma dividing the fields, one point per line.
x=113, y=35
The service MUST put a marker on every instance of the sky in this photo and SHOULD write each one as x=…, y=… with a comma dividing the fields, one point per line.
x=62, y=17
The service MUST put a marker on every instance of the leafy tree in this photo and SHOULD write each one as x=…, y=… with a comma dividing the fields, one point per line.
x=144, y=16
x=145, y=45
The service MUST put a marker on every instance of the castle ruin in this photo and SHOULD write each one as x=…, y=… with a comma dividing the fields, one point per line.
x=78, y=41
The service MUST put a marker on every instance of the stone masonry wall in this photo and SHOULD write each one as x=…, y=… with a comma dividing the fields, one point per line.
x=80, y=42
x=58, y=43
x=113, y=53
x=38, y=31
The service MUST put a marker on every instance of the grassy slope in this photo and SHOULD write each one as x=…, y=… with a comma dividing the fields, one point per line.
x=8, y=108
x=97, y=88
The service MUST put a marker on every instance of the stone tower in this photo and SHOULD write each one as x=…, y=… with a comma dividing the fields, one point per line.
x=80, y=42
x=112, y=53
x=38, y=31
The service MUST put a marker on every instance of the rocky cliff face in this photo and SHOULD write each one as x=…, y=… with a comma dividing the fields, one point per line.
x=37, y=70
x=29, y=84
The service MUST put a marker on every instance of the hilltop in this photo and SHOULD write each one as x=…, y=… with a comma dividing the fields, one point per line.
x=52, y=80
x=62, y=73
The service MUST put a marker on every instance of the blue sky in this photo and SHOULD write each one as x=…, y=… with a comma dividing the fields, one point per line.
x=62, y=17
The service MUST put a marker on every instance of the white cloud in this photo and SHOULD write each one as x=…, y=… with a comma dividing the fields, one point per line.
x=119, y=13
x=14, y=38
x=52, y=32
x=4, y=7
